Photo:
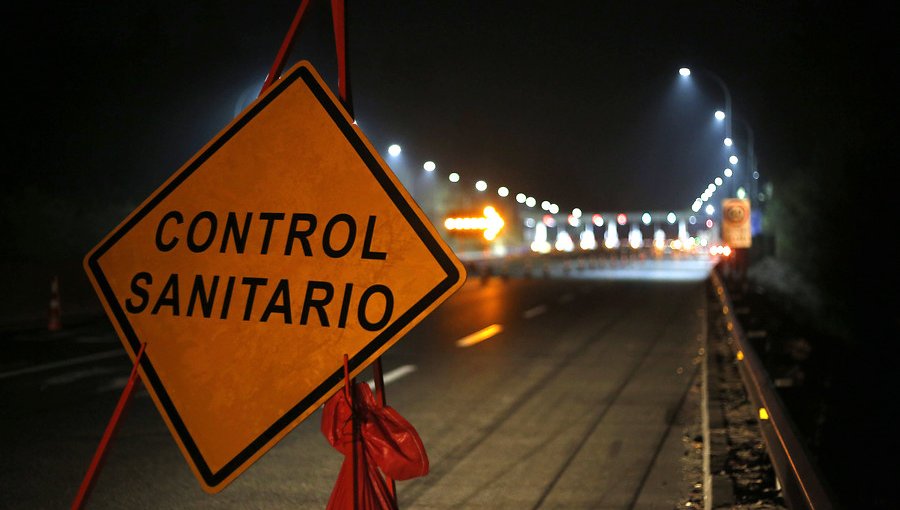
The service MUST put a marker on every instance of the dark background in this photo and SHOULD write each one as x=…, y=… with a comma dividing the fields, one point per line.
x=578, y=103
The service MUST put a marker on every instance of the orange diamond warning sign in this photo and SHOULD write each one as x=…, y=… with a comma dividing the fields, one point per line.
x=283, y=244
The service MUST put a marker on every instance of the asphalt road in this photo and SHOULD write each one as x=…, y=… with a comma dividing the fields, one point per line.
x=579, y=400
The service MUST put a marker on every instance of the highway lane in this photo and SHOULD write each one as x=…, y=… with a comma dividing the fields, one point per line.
x=573, y=402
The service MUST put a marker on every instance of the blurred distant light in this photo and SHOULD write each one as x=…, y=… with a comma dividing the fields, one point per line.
x=429, y=166
x=709, y=223
x=520, y=198
x=621, y=219
x=549, y=220
x=710, y=209
x=728, y=142
x=696, y=207
x=719, y=181
x=692, y=220
x=733, y=160
x=545, y=205
x=481, y=185
x=755, y=174
x=572, y=220
x=720, y=115
x=684, y=71
x=554, y=208
x=741, y=193
x=763, y=414
x=454, y=177
x=394, y=150
x=597, y=219
x=529, y=222
x=564, y=242
x=711, y=188
x=728, y=172
x=645, y=218
x=576, y=212
x=530, y=201
x=671, y=218
x=503, y=191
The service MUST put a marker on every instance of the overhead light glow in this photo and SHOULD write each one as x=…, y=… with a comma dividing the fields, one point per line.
x=503, y=191
x=646, y=218
x=733, y=160
x=728, y=172
x=545, y=205
x=481, y=185
x=684, y=71
x=530, y=201
x=710, y=209
x=576, y=212
x=454, y=177
x=394, y=150
x=720, y=115
x=719, y=181
x=671, y=218
x=553, y=208
x=520, y=198
x=728, y=142
x=429, y=166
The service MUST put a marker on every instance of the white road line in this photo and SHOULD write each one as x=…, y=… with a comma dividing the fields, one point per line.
x=64, y=363
x=76, y=375
x=534, y=312
x=394, y=374
x=479, y=336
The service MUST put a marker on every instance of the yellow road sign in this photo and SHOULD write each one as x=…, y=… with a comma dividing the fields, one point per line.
x=283, y=244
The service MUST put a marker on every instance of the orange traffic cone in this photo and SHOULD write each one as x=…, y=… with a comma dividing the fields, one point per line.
x=55, y=322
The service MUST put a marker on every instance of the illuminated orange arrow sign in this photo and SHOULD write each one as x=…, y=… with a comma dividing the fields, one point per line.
x=283, y=244
x=491, y=223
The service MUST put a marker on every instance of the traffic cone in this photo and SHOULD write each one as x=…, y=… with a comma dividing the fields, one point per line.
x=55, y=322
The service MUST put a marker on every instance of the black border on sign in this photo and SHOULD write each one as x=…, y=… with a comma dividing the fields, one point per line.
x=302, y=72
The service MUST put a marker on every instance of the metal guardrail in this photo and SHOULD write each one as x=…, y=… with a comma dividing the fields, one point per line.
x=800, y=481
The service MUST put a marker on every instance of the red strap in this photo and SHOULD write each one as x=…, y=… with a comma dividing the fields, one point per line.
x=111, y=427
x=286, y=46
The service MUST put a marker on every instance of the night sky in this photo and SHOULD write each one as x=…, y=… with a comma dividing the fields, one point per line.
x=578, y=103
x=574, y=102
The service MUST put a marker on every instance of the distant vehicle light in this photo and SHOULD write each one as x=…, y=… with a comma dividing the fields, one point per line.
x=597, y=219
x=621, y=219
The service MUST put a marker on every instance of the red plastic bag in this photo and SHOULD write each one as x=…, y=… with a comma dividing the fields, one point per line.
x=385, y=441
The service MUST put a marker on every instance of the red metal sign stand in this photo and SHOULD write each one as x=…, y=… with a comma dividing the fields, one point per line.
x=341, y=42
x=91, y=475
